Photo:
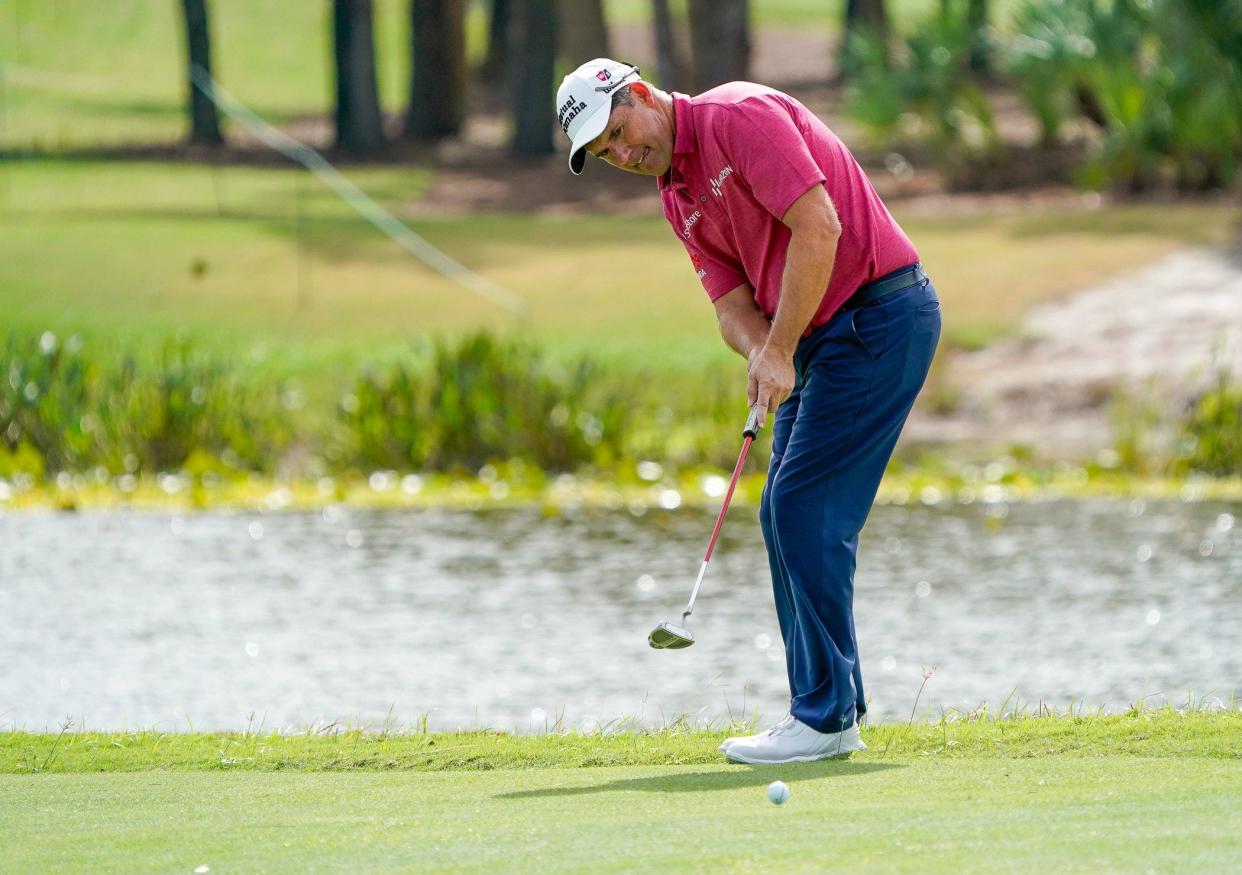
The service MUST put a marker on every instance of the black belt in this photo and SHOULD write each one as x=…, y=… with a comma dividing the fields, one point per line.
x=885, y=285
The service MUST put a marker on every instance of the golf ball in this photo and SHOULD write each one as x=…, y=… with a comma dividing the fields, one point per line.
x=778, y=792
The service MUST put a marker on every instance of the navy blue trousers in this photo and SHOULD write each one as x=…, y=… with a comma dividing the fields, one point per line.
x=857, y=378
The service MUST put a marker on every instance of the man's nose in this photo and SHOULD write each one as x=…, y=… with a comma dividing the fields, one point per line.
x=623, y=152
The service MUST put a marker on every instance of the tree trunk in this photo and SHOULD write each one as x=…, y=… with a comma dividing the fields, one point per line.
x=438, y=70
x=204, y=120
x=582, y=33
x=977, y=16
x=863, y=18
x=532, y=57
x=720, y=41
x=670, y=59
x=359, y=125
x=497, y=42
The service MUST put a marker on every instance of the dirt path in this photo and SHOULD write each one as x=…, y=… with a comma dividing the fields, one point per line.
x=1154, y=332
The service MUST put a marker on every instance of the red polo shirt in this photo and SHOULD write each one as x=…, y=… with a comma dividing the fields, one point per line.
x=743, y=154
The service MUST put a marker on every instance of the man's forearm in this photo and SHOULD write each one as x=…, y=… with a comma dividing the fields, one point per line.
x=745, y=330
x=808, y=267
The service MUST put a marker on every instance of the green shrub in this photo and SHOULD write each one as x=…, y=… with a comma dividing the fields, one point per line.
x=481, y=400
x=1150, y=88
x=78, y=408
x=1159, y=79
x=1211, y=438
x=927, y=81
x=1152, y=436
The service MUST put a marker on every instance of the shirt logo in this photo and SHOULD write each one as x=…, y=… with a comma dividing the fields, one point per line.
x=568, y=111
x=689, y=223
x=698, y=265
x=724, y=174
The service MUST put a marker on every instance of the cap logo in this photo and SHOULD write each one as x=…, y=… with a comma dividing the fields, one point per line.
x=605, y=75
x=568, y=111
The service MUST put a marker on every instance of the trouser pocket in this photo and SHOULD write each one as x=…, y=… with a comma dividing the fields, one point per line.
x=870, y=328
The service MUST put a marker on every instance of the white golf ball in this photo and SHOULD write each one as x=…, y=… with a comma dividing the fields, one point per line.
x=778, y=792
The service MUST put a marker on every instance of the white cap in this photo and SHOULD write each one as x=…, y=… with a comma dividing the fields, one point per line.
x=584, y=103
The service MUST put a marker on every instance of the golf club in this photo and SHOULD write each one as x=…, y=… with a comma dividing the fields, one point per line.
x=669, y=636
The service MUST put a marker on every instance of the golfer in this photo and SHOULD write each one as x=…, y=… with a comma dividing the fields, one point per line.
x=822, y=292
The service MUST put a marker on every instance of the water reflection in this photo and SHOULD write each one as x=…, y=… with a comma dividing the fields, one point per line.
x=139, y=619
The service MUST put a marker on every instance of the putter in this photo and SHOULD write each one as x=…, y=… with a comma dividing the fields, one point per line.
x=670, y=636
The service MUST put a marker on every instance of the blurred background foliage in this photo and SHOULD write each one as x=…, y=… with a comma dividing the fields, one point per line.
x=1144, y=92
x=173, y=298
x=1147, y=91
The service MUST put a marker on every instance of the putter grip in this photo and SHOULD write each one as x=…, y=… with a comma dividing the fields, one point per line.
x=752, y=424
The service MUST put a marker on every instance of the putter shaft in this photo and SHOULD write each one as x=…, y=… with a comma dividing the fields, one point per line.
x=752, y=427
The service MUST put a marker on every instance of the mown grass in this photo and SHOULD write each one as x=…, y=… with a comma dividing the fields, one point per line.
x=117, y=70
x=1058, y=814
x=1160, y=732
x=1141, y=792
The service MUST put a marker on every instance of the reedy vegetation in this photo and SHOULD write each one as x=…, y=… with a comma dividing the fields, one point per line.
x=1147, y=91
x=449, y=407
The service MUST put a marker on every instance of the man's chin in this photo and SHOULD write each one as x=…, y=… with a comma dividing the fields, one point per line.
x=643, y=170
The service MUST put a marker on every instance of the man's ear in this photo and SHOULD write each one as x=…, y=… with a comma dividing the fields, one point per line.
x=643, y=92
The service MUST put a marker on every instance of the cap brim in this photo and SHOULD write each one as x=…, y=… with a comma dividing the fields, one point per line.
x=591, y=128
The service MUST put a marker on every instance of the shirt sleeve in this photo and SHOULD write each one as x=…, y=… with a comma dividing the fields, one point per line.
x=718, y=279
x=766, y=149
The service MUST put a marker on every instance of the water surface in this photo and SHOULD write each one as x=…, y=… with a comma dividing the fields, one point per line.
x=124, y=620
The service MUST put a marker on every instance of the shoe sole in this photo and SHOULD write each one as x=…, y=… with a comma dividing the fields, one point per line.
x=740, y=758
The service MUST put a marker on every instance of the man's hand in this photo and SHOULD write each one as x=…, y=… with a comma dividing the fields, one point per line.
x=771, y=378
x=814, y=231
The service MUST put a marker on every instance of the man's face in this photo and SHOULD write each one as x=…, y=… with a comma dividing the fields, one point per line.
x=638, y=138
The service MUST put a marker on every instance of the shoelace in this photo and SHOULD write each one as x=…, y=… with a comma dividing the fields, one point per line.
x=781, y=727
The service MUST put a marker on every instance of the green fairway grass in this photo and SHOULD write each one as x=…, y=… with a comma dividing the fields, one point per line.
x=88, y=74
x=1143, y=792
x=239, y=258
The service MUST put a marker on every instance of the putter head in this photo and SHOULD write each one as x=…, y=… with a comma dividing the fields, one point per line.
x=667, y=636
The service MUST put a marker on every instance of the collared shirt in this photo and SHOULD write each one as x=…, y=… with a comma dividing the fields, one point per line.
x=743, y=153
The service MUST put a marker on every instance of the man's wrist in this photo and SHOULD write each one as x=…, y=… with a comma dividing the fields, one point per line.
x=775, y=345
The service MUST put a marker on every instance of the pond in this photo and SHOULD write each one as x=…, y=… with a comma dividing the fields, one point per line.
x=514, y=619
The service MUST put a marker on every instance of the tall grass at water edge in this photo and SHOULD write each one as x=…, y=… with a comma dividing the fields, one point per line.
x=1207, y=439
x=447, y=406
x=72, y=406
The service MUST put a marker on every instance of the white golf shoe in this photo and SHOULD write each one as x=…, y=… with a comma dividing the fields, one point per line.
x=725, y=745
x=792, y=741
